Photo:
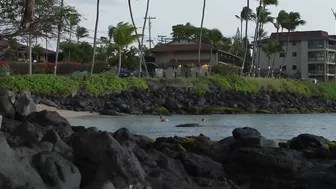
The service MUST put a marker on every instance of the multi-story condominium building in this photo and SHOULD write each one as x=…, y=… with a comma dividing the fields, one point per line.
x=311, y=54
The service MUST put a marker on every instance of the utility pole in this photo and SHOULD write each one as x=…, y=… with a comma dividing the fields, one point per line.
x=150, y=41
x=162, y=38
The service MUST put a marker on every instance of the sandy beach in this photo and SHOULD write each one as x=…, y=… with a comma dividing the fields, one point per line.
x=64, y=113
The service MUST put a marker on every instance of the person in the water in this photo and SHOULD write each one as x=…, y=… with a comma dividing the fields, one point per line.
x=203, y=120
x=162, y=119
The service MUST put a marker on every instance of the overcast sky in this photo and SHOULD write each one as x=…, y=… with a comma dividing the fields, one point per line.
x=219, y=14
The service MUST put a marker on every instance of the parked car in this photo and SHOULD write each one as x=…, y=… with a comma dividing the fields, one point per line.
x=125, y=73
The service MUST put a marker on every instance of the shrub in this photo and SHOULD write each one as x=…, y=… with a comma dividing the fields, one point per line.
x=46, y=84
x=161, y=111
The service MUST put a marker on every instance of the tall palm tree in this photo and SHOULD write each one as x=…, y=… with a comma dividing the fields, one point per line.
x=59, y=35
x=140, y=45
x=74, y=20
x=241, y=23
x=279, y=19
x=247, y=17
x=264, y=18
x=291, y=22
x=81, y=32
x=201, y=33
x=123, y=36
x=95, y=38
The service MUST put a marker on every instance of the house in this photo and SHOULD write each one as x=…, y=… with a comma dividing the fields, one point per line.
x=21, y=52
x=179, y=56
x=311, y=54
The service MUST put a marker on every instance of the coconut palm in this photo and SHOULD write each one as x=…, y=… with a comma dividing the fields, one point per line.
x=95, y=38
x=81, y=32
x=201, y=33
x=290, y=22
x=264, y=18
x=248, y=14
x=74, y=20
x=277, y=26
x=273, y=47
x=58, y=36
x=140, y=44
x=123, y=36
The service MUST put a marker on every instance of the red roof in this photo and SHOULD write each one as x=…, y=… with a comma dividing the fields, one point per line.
x=174, y=62
x=181, y=48
x=301, y=35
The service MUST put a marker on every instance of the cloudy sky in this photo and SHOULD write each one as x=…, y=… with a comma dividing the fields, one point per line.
x=219, y=14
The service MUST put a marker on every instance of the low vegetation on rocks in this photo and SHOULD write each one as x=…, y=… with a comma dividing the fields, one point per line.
x=106, y=83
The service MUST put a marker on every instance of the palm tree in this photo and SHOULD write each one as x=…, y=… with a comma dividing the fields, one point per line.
x=291, y=22
x=81, y=32
x=272, y=48
x=279, y=19
x=124, y=35
x=247, y=17
x=241, y=23
x=264, y=18
x=59, y=35
x=201, y=33
x=74, y=20
x=95, y=39
x=142, y=58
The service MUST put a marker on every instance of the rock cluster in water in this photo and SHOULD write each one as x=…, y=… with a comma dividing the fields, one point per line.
x=40, y=150
x=172, y=100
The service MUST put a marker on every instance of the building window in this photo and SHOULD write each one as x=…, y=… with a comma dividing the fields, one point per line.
x=282, y=43
x=294, y=67
x=316, y=44
x=294, y=43
x=284, y=68
x=316, y=56
x=282, y=54
x=294, y=54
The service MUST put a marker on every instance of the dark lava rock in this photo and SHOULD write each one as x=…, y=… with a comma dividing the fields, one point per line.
x=189, y=125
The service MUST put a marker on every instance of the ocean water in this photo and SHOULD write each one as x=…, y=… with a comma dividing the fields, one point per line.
x=274, y=126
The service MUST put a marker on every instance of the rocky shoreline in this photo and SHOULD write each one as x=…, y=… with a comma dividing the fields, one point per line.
x=174, y=100
x=41, y=150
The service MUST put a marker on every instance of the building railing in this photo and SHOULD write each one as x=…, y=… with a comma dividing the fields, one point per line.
x=316, y=71
x=332, y=47
x=318, y=59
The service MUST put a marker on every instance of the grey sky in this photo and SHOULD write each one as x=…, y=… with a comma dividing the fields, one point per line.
x=219, y=14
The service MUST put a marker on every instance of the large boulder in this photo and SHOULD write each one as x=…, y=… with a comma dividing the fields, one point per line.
x=100, y=157
x=307, y=142
x=24, y=104
x=264, y=168
x=56, y=171
x=58, y=145
x=47, y=118
x=15, y=169
x=6, y=106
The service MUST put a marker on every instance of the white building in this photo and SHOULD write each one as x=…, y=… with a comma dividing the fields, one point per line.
x=311, y=54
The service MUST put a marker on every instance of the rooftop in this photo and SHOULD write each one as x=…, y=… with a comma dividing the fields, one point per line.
x=302, y=35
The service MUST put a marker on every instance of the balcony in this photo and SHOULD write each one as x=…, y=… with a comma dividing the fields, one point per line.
x=230, y=59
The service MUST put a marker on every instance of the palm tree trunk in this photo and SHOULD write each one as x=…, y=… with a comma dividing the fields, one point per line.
x=275, y=54
x=246, y=39
x=241, y=29
x=58, y=38
x=201, y=33
x=30, y=54
x=256, y=39
x=142, y=59
x=269, y=69
x=119, y=62
x=284, y=59
x=95, y=39
x=70, y=33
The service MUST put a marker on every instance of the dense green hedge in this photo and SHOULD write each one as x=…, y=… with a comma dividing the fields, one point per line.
x=100, y=84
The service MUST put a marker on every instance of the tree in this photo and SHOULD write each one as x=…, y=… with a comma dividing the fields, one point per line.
x=81, y=32
x=290, y=22
x=95, y=38
x=59, y=28
x=142, y=58
x=272, y=47
x=72, y=18
x=140, y=43
x=200, y=37
x=247, y=15
x=262, y=17
x=123, y=36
